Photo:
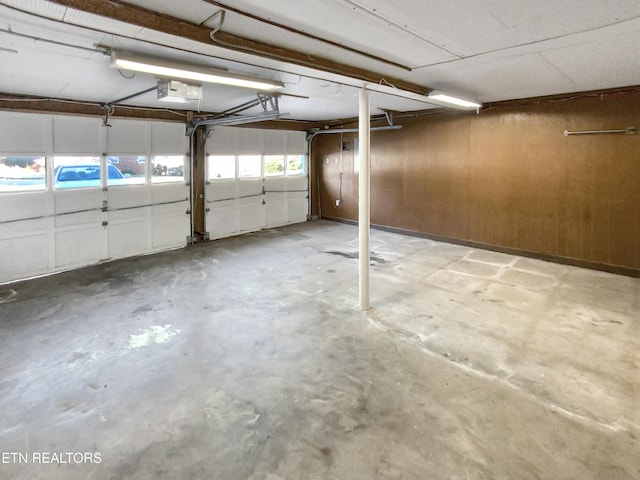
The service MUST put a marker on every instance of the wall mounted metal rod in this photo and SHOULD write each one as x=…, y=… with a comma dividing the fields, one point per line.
x=628, y=131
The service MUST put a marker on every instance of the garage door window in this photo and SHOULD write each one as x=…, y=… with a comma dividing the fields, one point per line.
x=76, y=172
x=167, y=168
x=249, y=166
x=273, y=165
x=22, y=173
x=295, y=164
x=221, y=167
x=126, y=170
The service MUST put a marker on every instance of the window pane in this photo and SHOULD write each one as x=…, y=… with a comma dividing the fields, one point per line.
x=249, y=165
x=76, y=172
x=126, y=170
x=273, y=165
x=222, y=166
x=295, y=164
x=22, y=173
x=167, y=168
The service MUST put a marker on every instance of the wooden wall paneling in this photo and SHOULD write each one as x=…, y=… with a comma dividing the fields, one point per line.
x=409, y=141
x=484, y=178
x=510, y=178
x=386, y=179
x=637, y=231
x=623, y=201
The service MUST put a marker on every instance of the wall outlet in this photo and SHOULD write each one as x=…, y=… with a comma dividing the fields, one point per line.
x=338, y=202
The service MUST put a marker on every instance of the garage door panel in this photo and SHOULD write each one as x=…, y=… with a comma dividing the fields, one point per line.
x=274, y=142
x=170, y=231
x=276, y=213
x=222, y=221
x=128, y=238
x=127, y=203
x=297, y=195
x=297, y=182
x=126, y=137
x=77, y=135
x=173, y=209
x=82, y=207
x=68, y=227
x=24, y=227
x=296, y=142
x=275, y=209
x=78, y=200
x=279, y=192
x=250, y=141
x=128, y=214
x=170, y=200
x=224, y=141
x=128, y=196
x=79, y=246
x=168, y=192
x=27, y=205
x=81, y=219
x=17, y=209
x=275, y=196
x=297, y=210
x=275, y=183
x=23, y=132
x=249, y=187
x=24, y=256
x=168, y=138
x=251, y=216
x=219, y=190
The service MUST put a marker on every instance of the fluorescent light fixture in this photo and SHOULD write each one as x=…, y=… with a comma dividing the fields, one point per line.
x=434, y=97
x=168, y=69
x=444, y=99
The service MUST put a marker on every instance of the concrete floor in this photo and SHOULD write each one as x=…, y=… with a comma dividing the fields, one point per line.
x=246, y=359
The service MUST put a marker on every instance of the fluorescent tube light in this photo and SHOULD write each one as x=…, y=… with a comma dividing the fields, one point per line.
x=441, y=98
x=167, y=69
x=434, y=97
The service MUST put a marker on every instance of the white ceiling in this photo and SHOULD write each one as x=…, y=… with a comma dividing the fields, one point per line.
x=489, y=51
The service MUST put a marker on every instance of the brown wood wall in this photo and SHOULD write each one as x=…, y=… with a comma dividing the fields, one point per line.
x=507, y=178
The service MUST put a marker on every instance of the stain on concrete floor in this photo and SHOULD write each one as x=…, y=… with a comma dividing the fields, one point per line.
x=374, y=257
x=252, y=362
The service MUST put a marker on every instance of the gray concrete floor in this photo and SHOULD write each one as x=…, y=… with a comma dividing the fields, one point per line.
x=246, y=358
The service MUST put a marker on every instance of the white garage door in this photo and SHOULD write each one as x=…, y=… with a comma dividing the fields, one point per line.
x=73, y=192
x=255, y=179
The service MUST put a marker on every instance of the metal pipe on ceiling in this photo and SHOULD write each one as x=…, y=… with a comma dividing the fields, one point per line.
x=47, y=40
x=305, y=34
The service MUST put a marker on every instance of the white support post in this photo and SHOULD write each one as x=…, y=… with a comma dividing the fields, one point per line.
x=364, y=218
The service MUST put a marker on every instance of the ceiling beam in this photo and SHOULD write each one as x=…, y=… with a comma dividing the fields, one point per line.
x=228, y=8
x=36, y=104
x=145, y=18
x=63, y=106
